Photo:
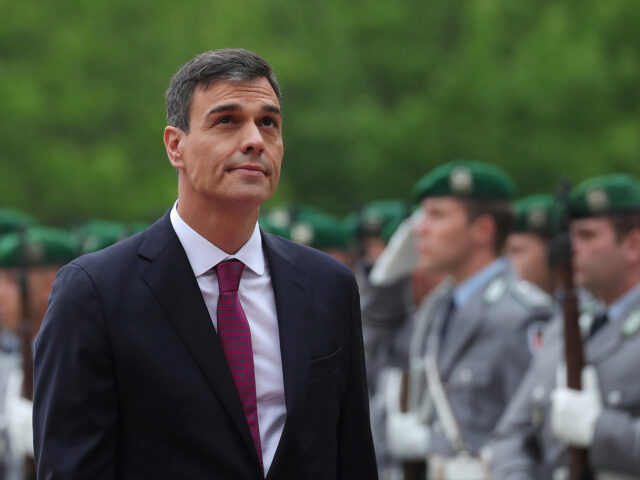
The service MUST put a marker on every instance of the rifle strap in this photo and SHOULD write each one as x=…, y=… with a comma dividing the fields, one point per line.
x=442, y=406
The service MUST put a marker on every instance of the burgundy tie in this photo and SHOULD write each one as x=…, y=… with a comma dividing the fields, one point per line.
x=235, y=337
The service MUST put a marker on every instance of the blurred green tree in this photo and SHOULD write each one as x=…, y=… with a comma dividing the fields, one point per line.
x=375, y=95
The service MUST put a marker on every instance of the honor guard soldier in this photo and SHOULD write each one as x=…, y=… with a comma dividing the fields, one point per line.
x=385, y=309
x=528, y=244
x=10, y=221
x=545, y=417
x=29, y=260
x=477, y=344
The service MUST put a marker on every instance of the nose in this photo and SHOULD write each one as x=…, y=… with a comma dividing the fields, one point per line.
x=252, y=141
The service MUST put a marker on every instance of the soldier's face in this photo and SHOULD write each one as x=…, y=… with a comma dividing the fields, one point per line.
x=527, y=252
x=10, y=302
x=444, y=236
x=598, y=256
x=232, y=154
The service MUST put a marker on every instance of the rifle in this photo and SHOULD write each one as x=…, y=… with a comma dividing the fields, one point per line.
x=25, y=335
x=562, y=260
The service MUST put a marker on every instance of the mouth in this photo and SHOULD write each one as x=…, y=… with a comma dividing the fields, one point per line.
x=250, y=170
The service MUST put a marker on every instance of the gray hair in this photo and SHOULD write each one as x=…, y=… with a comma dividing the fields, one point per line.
x=230, y=64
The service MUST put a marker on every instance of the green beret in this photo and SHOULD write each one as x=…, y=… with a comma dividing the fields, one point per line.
x=13, y=220
x=280, y=229
x=284, y=216
x=467, y=179
x=37, y=246
x=616, y=193
x=320, y=230
x=377, y=219
x=536, y=214
x=97, y=234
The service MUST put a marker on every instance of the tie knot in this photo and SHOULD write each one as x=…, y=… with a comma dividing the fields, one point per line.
x=229, y=274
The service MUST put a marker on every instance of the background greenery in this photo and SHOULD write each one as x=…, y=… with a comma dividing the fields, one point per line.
x=375, y=94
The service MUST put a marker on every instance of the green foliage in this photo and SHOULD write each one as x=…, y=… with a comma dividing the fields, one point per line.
x=375, y=95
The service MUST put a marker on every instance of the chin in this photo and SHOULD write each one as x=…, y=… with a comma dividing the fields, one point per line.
x=249, y=199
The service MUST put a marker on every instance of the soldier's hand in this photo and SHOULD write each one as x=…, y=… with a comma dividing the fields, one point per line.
x=574, y=412
x=408, y=437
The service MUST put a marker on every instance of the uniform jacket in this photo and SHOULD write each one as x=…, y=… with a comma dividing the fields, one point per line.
x=485, y=355
x=131, y=381
x=525, y=447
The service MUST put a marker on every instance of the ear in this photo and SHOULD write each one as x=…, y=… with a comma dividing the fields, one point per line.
x=173, y=143
x=631, y=243
x=483, y=230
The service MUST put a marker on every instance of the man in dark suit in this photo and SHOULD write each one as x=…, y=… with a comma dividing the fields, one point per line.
x=203, y=348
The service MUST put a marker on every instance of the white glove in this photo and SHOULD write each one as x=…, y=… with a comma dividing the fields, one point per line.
x=400, y=256
x=574, y=412
x=20, y=426
x=19, y=413
x=408, y=438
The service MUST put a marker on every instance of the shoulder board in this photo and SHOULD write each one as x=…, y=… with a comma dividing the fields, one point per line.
x=529, y=295
x=632, y=324
x=495, y=290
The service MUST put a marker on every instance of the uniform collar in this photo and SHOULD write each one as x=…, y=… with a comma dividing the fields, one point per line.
x=204, y=255
x=622, y=305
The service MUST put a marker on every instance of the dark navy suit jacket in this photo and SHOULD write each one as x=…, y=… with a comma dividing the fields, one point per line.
x=131, y=381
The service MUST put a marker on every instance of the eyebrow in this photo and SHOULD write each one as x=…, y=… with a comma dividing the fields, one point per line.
x=234, y=107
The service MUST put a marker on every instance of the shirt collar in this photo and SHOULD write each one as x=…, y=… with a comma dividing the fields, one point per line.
x=204, y=255
x=463, y=292
x=621, y=305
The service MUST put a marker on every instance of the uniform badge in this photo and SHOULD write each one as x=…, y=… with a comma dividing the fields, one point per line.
x=534, y=336
x=302, y=233
x=597, y=200
x=34, y=252
x=537, y=218
x=372, y=222
x=632, y=324
x=461, y=180
x=280, y=218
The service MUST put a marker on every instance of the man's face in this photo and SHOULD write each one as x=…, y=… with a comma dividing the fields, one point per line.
x=598, y=256
x=10, y=302
x=444, y=236
x=233, y=151
x=527, y=252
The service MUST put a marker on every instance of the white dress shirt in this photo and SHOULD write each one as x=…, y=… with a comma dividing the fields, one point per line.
x=257, y=300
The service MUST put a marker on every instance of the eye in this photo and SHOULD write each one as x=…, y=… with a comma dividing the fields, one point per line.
x=268, y=122
x=224, y=120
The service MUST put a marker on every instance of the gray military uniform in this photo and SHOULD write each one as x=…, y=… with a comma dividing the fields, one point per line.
x=485, y=353
x=525, y=447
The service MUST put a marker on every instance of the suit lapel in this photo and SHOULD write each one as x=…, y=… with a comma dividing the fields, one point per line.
x=292, y=291
x=174, y=285
x=465, y=324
